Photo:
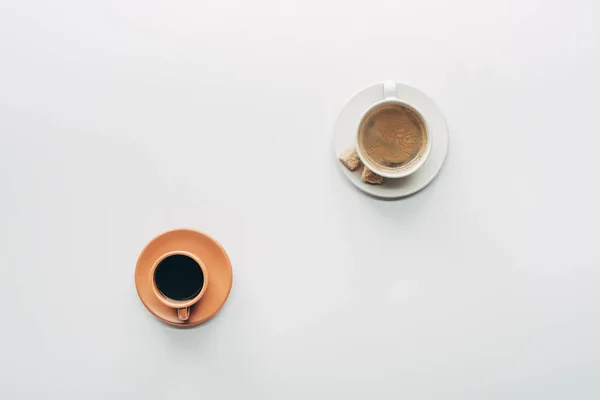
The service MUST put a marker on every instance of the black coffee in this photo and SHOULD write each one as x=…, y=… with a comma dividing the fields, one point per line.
x=179, y=277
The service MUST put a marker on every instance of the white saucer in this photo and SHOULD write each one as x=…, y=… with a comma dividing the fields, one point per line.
x=344, y=133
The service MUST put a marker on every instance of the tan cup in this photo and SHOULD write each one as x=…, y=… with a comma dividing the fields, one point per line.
x=182, y=307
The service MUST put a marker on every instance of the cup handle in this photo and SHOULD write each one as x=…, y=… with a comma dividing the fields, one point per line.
x=390, y=90
x=183, y=313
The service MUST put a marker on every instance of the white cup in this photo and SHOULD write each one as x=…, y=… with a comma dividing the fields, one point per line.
x=391, y=97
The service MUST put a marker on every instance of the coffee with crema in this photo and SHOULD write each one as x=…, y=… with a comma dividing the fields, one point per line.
x=392, y=136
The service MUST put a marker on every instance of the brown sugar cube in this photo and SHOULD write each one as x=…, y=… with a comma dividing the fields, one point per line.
x=371, y=177
x=350, y=159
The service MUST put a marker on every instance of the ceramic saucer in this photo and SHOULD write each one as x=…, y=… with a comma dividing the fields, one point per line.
x=215, y=260
x=344, y=136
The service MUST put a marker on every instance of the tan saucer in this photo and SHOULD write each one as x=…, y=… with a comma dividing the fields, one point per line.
x=215, y=260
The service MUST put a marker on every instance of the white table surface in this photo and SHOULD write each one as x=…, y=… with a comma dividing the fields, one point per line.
x=122, y=119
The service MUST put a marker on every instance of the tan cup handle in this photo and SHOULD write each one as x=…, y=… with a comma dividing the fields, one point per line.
x=183, y=313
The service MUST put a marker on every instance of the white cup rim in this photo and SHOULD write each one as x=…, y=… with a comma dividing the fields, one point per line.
x=404, y=170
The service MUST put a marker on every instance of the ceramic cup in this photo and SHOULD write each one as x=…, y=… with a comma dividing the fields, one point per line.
x=182, y=307
x=390, y=96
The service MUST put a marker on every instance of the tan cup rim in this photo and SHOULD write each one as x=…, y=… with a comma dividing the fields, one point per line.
x=173, y=303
